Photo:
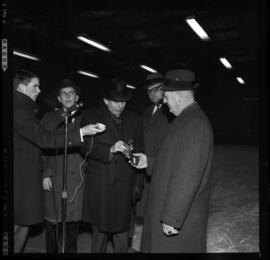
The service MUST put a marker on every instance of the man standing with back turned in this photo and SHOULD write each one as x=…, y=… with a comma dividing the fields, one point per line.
x=177, y=209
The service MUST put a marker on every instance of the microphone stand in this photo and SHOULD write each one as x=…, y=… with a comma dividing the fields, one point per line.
x=66, y=114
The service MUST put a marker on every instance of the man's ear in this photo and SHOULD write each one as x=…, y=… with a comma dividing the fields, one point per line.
x=77, y=98
x=106, y=101
x=58, y=98
x=21, y=87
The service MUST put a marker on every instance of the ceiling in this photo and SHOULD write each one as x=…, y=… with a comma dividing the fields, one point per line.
x=159, y=38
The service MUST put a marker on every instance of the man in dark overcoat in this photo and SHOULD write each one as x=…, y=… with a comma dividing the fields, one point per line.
x=68, y=96
x=111, y=182
x=156, y=119
x=29, y=138
x=177, y=209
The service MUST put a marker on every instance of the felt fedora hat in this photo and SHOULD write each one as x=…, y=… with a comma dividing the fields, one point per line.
x=179, y=79
x=116, y=90
x=154, y=80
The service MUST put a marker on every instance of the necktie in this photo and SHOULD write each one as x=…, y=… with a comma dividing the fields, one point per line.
x=156, y=108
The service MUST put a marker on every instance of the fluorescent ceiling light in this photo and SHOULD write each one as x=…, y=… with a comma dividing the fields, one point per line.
x=93, y=43
x=89, y=74
x=130, y=86
x=197, y=29
x=240, y=80
x=26, y=55
x=148, y=68
x=225, y=62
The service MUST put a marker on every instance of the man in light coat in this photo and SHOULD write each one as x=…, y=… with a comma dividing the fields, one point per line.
x=68, y=96
x=177, y=209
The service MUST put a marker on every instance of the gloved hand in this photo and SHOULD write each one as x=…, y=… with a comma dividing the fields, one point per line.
x=137, y=193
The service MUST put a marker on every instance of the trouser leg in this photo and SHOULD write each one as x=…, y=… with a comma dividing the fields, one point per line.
x=99, y=240
x=51, y=237
x=120, y=241
x=20, y=237
x=72, y=229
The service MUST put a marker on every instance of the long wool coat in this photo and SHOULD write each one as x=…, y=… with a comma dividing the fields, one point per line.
x=109, y=182
x=155, y=128
x=180, y=186
x=29, y=137
x=53, y=167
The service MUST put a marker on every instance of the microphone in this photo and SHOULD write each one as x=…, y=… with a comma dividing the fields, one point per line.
x=68, y=111
x=74, y=107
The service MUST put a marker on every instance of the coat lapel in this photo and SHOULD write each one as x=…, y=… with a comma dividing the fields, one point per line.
x=108, y=121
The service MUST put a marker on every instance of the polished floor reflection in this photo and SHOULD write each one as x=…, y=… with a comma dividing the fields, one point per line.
x=233, y=224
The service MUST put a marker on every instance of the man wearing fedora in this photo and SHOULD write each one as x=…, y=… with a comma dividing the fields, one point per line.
x=111, y=182
x=156, y=119
x=68, y=96
x=177, y=209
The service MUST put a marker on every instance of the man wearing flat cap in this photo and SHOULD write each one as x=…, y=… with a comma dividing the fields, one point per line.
x=111, y=183
x=177, y=209
x=156, y=119
x=67, y=97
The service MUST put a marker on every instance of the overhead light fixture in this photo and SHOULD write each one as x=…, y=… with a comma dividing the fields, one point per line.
x=197, y=28
x=26, y=55
x=148, y=68
x=93, y=43
x=130, y=86
x=240, y=80
x=226, y=63
x=89, y=74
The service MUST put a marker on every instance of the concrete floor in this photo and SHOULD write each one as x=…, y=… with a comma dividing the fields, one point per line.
x=233, y=224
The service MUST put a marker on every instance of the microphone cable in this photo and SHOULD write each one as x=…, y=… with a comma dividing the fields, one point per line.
x=82, y=174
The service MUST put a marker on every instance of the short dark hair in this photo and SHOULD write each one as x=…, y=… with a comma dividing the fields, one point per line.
x=68, y=83
x=23, y=76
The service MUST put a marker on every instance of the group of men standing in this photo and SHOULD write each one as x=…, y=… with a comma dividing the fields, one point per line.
x=172, y=142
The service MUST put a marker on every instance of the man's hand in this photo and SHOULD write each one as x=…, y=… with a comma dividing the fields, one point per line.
x=92, y=129
x=119, y=146
x=47, y=183
x=169, y=230
x=142, y=161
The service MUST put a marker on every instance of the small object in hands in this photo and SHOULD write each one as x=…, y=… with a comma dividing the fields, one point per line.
x=134, y=159
x=100, y=126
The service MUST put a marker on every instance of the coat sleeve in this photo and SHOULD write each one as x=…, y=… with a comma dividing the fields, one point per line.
x=139, y=147
x=93, y=147
x=48, y=161
x=186, y=170
x=30, y=128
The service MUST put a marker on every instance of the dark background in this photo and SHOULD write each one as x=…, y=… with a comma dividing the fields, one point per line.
x=159, y=37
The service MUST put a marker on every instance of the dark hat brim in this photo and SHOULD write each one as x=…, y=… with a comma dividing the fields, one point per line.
x=155, y=82
x=116, y=97
x=171, y=85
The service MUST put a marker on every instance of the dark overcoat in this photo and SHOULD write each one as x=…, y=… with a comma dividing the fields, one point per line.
x=53, y=161
x=180, y=186
x=110, y=180
x=155, y=128
x=29, y=137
